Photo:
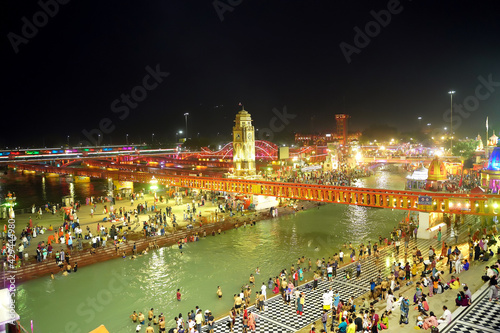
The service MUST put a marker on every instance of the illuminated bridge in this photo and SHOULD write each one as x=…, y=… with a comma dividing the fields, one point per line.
x=264, y=150
x=475, y=204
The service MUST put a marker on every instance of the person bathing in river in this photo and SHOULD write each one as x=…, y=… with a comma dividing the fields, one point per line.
x=251, y=280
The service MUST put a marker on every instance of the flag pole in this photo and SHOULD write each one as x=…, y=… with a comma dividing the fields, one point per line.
x=486, y=139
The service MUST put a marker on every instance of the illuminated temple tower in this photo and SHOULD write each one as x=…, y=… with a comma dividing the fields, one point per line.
x=243, y=145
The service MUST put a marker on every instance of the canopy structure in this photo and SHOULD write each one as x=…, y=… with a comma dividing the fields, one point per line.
x=100, y=329
x=417, y=179
x=419, y=174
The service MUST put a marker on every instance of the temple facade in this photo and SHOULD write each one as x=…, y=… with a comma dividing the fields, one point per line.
x=490, y=177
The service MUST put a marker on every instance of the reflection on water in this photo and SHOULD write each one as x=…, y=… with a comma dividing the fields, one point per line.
x=72, y=190
x=389, y=177
x=225, y=261
x=107, y=293
x=357, y=217
x=34, y=189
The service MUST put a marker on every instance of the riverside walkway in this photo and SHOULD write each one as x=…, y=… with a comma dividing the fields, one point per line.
x=482, y=316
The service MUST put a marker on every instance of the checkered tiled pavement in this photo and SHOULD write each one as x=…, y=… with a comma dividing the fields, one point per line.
x=482, y=316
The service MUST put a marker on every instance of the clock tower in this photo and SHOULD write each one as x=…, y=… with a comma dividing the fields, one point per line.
x=243, y=145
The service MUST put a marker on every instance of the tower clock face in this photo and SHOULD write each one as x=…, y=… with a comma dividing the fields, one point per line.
x=237, y=136
x=249, y=136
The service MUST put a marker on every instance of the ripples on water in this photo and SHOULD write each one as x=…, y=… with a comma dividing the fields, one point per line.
x=226, y=260
x=35, y=189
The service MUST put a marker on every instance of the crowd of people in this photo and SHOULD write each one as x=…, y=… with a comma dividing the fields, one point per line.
x=343, y=310
x=143, y=217
x=466, y=182
x=365, y=318
x=347, y=316
x=340, y=177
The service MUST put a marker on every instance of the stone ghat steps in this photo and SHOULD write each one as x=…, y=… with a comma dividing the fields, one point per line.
x=33, y=269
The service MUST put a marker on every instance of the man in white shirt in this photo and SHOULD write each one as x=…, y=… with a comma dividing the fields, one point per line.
x=330, y=294
x=326, y=301
x=468, y=293
x=20, y=250
x=198, y=319
x=179, y=322
x=489, y=272
x=341, y=256
x=191, y=324
x=446, y=317
x=329, y=271
x=263, y=289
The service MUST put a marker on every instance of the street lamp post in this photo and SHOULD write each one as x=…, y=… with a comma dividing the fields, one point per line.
x=186, y=117
x=152, y=139
x=68, y=140
x=126, y=138
x=451, y=92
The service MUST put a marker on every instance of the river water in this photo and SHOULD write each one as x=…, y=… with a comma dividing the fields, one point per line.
x=34, y=189
x=107, y=293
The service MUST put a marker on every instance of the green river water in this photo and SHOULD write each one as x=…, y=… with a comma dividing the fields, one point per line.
x=107, y=293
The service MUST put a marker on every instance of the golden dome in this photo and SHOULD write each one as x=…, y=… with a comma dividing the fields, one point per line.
x=437, y=171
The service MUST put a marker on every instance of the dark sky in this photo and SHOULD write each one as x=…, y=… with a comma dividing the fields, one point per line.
x=265, y=54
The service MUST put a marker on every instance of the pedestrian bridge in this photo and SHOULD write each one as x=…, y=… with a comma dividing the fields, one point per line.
x=457, y=203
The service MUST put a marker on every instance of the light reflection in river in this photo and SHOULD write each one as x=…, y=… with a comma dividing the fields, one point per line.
x=44, y=190
x=225, y=260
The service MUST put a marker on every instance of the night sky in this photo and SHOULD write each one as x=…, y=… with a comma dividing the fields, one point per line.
x=69, y=76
